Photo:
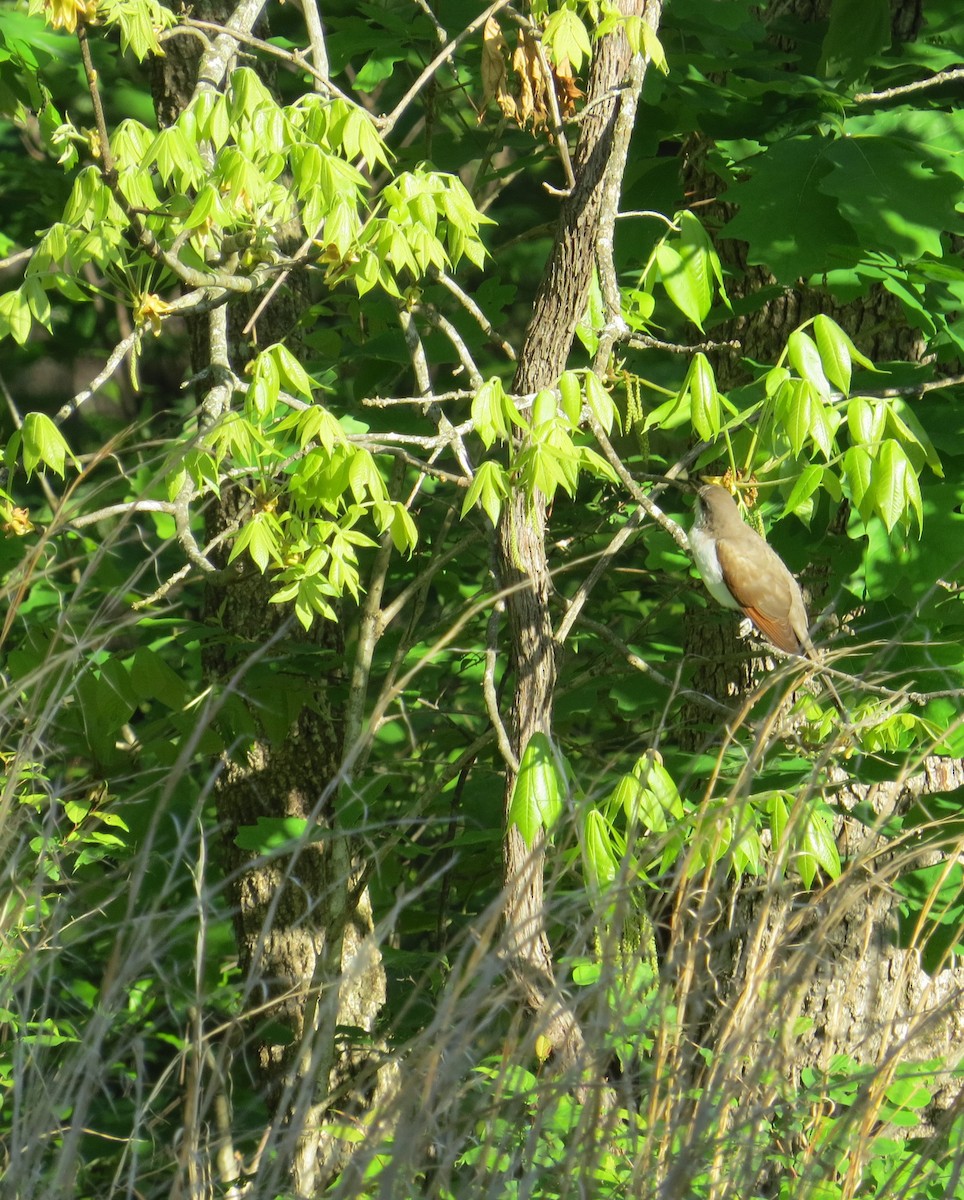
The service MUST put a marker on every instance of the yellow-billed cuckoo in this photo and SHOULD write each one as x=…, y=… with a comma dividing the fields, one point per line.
x=741, y=571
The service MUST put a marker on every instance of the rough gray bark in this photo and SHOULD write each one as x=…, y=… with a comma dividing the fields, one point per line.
x=769, y=954
x=521, y=549
x=303, y=922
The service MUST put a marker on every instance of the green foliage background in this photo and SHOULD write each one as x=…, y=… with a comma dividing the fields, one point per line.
x=129, y=1032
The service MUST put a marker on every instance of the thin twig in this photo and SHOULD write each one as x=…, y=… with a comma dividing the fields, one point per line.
x=369, y=628
x=647, y=212
x=483, y=322
x=316, y=42
x=387, y=123
x=937, y=80
x=439, y=397
x=423, y=381
x=114, y=361
x=377, y=446
x=293, y=58
x=120, y=510
x=575, y=605
x=558, y=127
x=15, y=259
x=420, y=582
x=639, y=664
x=198, y=302
x=642, y=341
x=440, y=34
x=442, y=323
x=489, y=693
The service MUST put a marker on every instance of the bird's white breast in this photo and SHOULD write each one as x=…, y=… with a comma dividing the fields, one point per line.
x=708, y=565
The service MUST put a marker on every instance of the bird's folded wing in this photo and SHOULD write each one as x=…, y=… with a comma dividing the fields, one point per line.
x=763, y=588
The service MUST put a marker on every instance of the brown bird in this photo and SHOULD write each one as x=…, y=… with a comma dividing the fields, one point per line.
x=741, y=571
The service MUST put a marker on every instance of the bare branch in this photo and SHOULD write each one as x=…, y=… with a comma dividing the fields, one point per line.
x=15, y=259
x=387, y=123
x=440, y=34
x=921, y=85
x=392, y=401
x=483, y=322
x=424, y=382
x=639, y=664
x=377, y=446
x=421, y=581
x=221, y=52
x=120, y=510
x=368, y=628
x=316, y=41
x=444, y=325
x=199, y=301
x=558, y=127
x=575, y=605
x=642, y=341
x=296, y=59
x=489, y=689
x=647, y=212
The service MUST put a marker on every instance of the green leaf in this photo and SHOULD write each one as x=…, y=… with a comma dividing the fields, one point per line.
x=858, y=31
x=650, y=771
x=570, y=397
x=806, y=361
x=866, y=420
x=600, y=402
x=76, y=813
x=693, y=237
x=858, y=467
x=260, y=538
x=403, y=531
x=894, y=200
x=271, y=834
x=537, y=796
x=778, y=812
x=599, y=858
x=565, y=37
x=544, y=408
x=488, y=413
x=807, y=483
x=908, y=1093
x=788, y=223
x=291, y=371
x=489, y=488
x=43, y=443
x=364, y=478
x=776, y=377
x=904, y=424
x=376, y=70
x=15, y=318
x=153, y=679
x=704, y=398
x=793, y=410
x=896, y=486
x=685, y=274
x=834, y=347
x=649, y=43
x=816, y=846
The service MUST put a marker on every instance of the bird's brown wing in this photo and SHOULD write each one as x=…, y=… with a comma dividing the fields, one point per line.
x=763, y=587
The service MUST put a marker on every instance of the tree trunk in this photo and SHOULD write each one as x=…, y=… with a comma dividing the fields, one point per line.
x=303, y=922
x=521, y=548
x=774, y=979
